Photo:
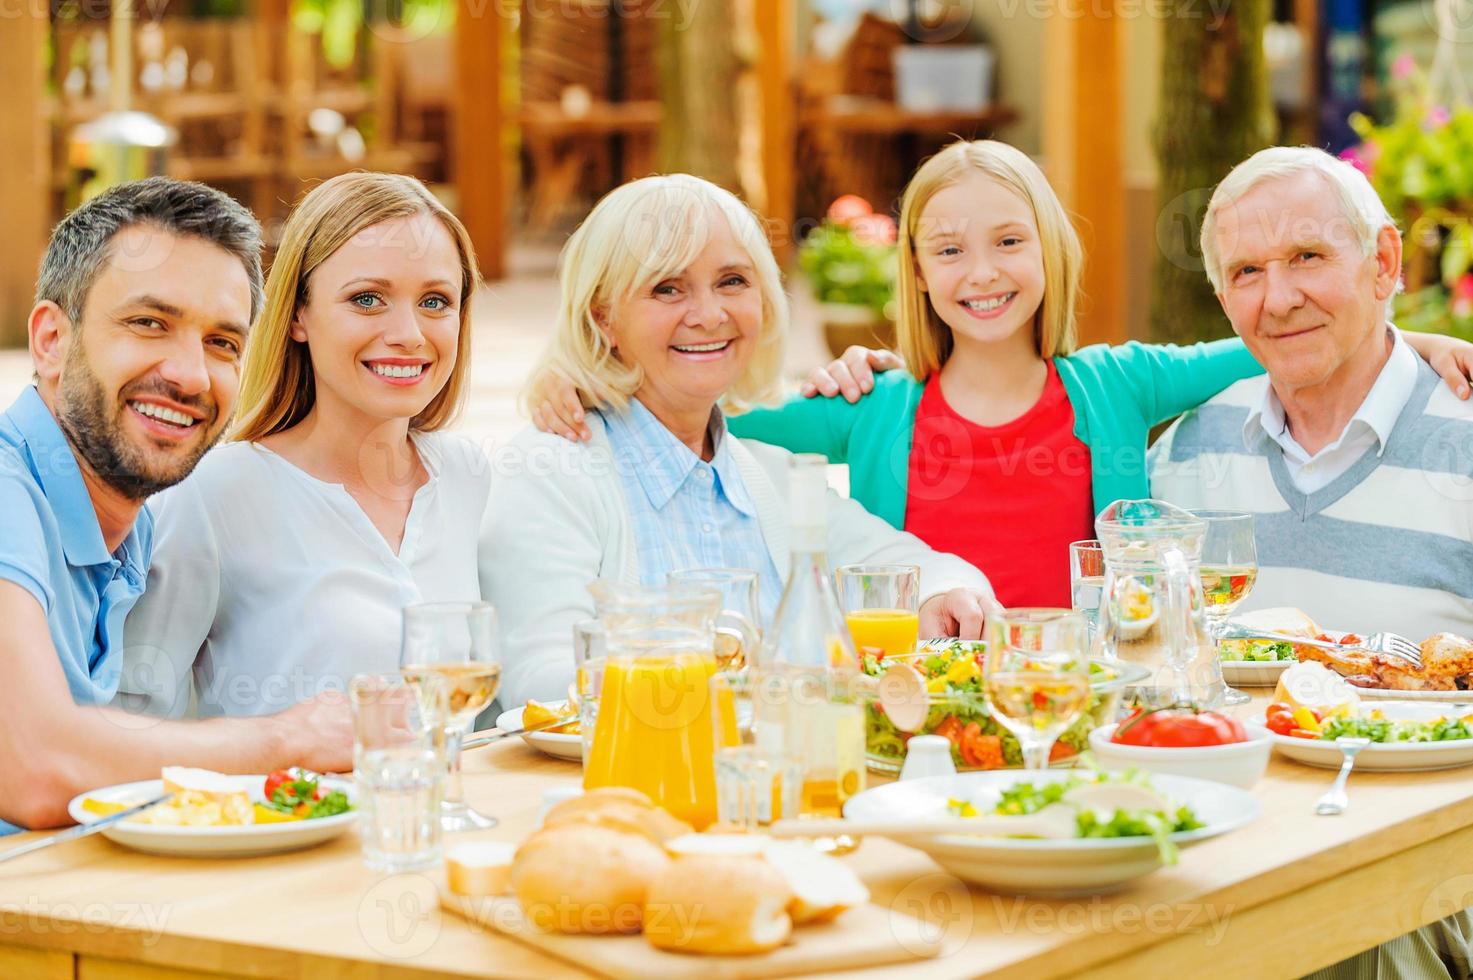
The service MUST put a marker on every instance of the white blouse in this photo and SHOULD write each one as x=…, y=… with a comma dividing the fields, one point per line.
x=268, y=585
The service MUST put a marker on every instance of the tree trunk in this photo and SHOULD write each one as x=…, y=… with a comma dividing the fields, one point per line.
x=698, y=63
x=1215, y=112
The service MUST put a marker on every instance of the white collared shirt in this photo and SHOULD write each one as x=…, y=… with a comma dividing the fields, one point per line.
x=1368, y=428
x=269, y=585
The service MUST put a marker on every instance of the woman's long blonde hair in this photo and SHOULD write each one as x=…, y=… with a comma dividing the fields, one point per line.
x=638, y=234
x=277, y=388
x=926, y=340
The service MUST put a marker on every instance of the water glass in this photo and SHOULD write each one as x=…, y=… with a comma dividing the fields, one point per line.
x=1087, y=581
x=590, y=653
x=737, y=631
x=399, y=768
x=759, y=778
x=881, y=605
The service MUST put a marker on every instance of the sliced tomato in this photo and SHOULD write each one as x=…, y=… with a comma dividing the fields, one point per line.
x=969, y=735
x=275, y=780
x=1304, y=733
x=1061, y=750
x=950, y=728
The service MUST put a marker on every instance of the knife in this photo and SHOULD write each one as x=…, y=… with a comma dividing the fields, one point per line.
x=83, y=829
x=497, y=734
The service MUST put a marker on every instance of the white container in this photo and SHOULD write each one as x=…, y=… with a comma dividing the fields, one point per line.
x=937, y=78
x=1237, y=764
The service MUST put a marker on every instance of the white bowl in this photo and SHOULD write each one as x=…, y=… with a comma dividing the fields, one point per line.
x=1045, y=867
x=1237, y=764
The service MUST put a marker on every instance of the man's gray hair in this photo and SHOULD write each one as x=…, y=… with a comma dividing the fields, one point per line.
x=1358, y=200
x=81, y=242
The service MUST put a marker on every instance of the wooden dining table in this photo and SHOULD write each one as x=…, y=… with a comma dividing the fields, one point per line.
x=1283, y=896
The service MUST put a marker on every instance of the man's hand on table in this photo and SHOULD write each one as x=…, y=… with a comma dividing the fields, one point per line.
x=319, y=733
x=959, y=613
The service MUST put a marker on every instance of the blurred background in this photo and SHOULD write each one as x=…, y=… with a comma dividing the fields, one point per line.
x=521, y=113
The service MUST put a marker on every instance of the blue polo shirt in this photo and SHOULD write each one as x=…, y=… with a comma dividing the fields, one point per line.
x=51, y=546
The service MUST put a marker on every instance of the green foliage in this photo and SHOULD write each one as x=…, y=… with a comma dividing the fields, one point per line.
x=845, y=269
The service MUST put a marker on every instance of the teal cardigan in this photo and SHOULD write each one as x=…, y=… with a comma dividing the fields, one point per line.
x=1118, y=394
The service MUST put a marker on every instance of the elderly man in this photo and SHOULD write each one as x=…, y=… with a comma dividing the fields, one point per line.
x=144, y=300
x=1352, y=456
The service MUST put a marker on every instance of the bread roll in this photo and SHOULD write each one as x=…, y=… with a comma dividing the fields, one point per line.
x=617, y=814
x=585, y=878
x=704, y=903
x=478, y=868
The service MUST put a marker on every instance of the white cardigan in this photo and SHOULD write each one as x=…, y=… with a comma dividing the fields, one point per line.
x=556, y=520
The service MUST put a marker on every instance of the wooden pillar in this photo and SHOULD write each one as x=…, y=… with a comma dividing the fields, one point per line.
x=25, y=164
x=478, y=154
x=775, y=54
x=1083, y=148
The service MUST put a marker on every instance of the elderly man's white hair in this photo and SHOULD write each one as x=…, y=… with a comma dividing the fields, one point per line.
x=1362, y=206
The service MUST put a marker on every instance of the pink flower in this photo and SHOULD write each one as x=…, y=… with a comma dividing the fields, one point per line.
x=846, y=209
x=1405, y=66
x=1359, y=156
x=874, y=229
x=1437, y=117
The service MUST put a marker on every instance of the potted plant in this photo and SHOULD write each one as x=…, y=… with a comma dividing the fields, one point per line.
x=850, y=261
x=1421, y=164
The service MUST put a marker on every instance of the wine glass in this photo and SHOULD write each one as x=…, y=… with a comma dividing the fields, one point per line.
x=737, y=629
x=456, y=641
x=1087, y=581
x=1036, y=678
x=1229, y=571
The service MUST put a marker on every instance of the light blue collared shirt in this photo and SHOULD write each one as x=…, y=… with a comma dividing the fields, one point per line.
x=51, y=546
x=687, y=513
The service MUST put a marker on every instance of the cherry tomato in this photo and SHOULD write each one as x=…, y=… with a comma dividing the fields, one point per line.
x=275, y=780
x=1280, y=719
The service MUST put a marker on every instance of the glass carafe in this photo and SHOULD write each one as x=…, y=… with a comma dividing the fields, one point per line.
x=653, y=731
x=1151, y=610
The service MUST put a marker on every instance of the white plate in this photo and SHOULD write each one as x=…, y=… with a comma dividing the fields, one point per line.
x=1254, y=673
x=1046, y=867
x=1390, y=694
x=242, y=841
x=556, y=744
x=1394, y=756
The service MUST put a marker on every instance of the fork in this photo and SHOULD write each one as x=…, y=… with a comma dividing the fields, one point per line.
x=1391, y=644
x=1335, y=801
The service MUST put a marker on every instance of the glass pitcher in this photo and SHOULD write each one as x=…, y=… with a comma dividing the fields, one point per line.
x=1151, y=609
x=653, y=731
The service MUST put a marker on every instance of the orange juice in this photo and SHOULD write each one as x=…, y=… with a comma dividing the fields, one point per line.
x=654, y=733
x=891, y=630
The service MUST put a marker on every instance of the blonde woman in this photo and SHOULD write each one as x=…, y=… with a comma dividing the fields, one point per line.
x=671, y=305
x=281, y=565
x=1003, y=440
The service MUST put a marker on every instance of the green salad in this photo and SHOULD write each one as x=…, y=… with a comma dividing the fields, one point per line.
x=1154, y=815
x=958, y=711
x=1258, y=651
x=1387, y=730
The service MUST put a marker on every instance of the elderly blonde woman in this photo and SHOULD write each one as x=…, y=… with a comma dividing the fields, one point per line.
x=671, y=305
x=282, y=564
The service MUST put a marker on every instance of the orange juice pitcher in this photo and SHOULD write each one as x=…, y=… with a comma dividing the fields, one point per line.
x=653, y=731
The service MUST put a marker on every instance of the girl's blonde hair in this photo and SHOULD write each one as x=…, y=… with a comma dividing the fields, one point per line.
x=638, y=234
x=277, y=388
x=925, y=340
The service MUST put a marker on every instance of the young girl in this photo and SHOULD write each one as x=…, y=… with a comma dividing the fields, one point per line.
x=1003, y=441
x=282, y=564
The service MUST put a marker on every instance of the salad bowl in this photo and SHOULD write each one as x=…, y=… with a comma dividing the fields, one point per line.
x=1061, y=867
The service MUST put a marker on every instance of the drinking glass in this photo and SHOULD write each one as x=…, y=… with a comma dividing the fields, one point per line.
x=399, y=768
x=1087, y=581
x=737, y=629
x=1036, y=678
x=457, y=641
x=590, y=651
x=881, y=605
x=759, y=776
x=1229, y=572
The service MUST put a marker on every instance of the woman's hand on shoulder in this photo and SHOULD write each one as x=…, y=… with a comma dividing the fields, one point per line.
x=556, y=408
x=851, y=375
x=1450, y=357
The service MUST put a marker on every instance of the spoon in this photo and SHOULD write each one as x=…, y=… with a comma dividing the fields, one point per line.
x=1335, y=801
x=903, y=695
